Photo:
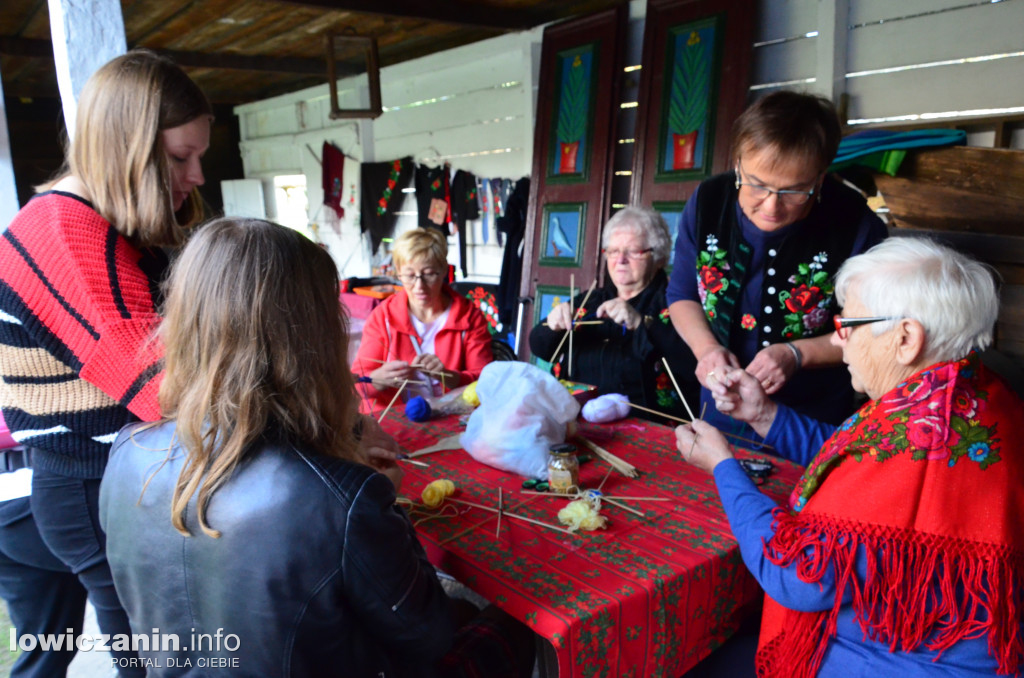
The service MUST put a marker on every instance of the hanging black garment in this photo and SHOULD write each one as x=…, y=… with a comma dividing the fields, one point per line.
x=382, y=184
x=464, y=208
x=513, y=225
x=432, y=184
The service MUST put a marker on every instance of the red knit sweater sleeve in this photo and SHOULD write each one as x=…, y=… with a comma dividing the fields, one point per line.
x=93, y=298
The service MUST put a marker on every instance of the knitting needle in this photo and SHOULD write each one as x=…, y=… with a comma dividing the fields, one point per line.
x=667, y=416
x=510, y=515
x=572, y=324
x=684, y=421
x=580, y=323
x=470, y=528
x=418, y=369
x=501, y=505
x=388, y=408
x=363, y=379
x=421, y=464
x=556, y=495
x=572, y=320
x=675, y=383
x=623, y=506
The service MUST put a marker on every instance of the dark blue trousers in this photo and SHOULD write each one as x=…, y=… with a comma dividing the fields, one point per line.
x=67, y=513
x=42, y=594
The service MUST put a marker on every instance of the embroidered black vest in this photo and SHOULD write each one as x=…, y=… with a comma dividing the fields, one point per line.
x=799, y=272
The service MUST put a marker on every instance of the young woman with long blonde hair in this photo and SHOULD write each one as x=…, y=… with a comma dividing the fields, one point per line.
x=79, y=269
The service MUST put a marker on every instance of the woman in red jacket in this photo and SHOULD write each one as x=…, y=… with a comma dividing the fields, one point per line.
x=426, y=336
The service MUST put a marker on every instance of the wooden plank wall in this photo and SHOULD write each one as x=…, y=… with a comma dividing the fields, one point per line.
x=972, y=199
x=905, y=61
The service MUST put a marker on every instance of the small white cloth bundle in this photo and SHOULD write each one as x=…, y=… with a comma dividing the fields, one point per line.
x=609, y=407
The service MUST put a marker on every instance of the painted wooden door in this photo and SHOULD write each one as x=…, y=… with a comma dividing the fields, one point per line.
x=581, y=64
x=694, y=83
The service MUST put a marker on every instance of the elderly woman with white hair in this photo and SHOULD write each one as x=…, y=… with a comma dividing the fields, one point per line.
x=902, y=549
x=624, y=353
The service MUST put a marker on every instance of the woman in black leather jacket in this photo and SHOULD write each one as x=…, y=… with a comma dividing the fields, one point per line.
x=283, y=553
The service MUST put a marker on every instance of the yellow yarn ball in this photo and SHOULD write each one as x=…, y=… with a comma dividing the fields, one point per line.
x=582, y=514
x=469, y=395
x=434, y=493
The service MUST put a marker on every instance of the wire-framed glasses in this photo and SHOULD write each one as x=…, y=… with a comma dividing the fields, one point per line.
x=786, y=196
x=843, y=325
x=631, y=254
x=428, y=278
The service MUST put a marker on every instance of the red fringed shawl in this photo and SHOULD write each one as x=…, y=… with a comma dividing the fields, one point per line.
x=928, y=481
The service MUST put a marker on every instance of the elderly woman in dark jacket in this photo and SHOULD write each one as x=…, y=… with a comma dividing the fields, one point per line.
x=623, y=354
x=250, y=516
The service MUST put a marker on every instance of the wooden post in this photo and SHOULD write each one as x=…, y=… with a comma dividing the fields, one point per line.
x=831, y=44
x=8, y=191
x=86, y=34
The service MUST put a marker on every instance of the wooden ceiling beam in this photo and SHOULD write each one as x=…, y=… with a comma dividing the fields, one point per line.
x=26, y=47
x=460, y=13
x=42, y=49
x=243, y=62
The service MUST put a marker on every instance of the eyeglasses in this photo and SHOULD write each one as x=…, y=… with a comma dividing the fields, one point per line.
x=785, y=196
x=632, y=254
x=428, y=278
x=843, y=325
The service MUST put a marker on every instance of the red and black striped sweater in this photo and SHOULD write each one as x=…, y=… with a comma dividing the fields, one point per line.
x=77, y=310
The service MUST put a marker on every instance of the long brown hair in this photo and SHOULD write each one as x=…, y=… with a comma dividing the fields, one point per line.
x=118, y=153
x=256, y=342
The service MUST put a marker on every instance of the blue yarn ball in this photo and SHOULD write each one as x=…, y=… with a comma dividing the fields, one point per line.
x=417, y=409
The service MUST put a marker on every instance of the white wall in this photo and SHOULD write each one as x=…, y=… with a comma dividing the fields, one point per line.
x=472, y=106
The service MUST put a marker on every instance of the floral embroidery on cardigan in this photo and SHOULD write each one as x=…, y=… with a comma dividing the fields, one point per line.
x=396, y=170
x=711, y=277
x=807, y=303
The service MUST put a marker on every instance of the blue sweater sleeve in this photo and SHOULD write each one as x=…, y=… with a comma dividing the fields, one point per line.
x=796, y=437
x=749, y=513
x=682, y=286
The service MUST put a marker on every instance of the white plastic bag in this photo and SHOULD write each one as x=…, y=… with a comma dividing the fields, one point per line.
x=523, y=412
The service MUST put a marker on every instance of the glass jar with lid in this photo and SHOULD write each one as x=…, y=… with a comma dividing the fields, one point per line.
x=563, y=469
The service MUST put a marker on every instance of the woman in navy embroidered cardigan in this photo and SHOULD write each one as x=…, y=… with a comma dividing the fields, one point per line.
x=752, y=282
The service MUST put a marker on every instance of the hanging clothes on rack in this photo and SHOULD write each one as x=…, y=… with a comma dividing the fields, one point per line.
x=464, y=209
x=382, y=184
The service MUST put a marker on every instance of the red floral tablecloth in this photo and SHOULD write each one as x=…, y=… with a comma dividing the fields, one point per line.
x=647, y=596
